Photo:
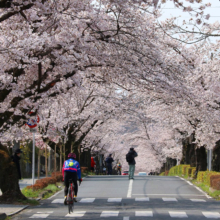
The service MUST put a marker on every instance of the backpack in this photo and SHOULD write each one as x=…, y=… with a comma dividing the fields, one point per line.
x=129, y=157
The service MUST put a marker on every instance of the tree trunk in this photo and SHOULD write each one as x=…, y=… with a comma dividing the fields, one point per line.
x=55, y=159
x=9, y=184
x=64, y=152
x=201, y=159
x=71, y=147
x=46, y=161
x=60, y=157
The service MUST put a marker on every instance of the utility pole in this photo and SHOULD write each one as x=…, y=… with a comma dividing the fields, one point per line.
x=209, y=160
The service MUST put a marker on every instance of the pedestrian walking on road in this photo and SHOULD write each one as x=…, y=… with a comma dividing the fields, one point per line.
x=109, y=161
x=131, y=161
x=93, y=164
x=16, y=159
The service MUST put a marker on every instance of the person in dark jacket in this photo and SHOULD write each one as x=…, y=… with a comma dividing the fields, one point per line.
x=16, y=159
x=132, y=163
x=109, y=161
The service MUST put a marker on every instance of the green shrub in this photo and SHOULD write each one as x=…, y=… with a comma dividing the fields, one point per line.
x=162, y=174
x=200, y=176
x=183, y=172
x=172, y=171
x=193, y=172
x=208, y=175
x=188, y=171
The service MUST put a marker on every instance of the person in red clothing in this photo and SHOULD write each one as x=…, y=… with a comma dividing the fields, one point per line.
x=92, y=164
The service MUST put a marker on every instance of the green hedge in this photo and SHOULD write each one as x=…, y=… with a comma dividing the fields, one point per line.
x=162, y=174
x=179, y=170
x=193, y=173
x=204, y=176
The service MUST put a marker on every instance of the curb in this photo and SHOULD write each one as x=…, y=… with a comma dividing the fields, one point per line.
x=205, y=193
x=55, y=194
x=21, y=209
x=3, y=216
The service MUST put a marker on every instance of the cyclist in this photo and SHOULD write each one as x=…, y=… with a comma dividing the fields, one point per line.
x=119, y=168
x=71, y=169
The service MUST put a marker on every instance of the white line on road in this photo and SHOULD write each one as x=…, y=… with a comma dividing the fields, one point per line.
x=130, y=189
x=167, y=195
x=211, y=214
x=109, y=214
x=126, y=218
x=49, y=212
x=58, y=201
x=178, y=215
x=144, y=213
x=76, y=214
x=87, y=200
x=209, y=197
x=169, y=199
x=189, y=183
x=198, y=200
x=39, y=216
x=114, y=199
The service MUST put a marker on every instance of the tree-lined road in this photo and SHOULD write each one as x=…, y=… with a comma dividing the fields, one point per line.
x=116, y=197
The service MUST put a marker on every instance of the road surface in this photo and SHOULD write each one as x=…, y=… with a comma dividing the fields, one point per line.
x=116, y=197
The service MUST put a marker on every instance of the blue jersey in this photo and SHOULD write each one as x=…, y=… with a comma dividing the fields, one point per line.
x=72, y=165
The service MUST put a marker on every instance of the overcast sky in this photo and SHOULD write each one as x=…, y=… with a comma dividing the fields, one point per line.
x=168, y=10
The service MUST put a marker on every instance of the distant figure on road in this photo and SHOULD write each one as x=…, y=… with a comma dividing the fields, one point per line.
x=119, y=168
x=109, y=161
x=92, y=164
x=16, y=159
x=131, y=161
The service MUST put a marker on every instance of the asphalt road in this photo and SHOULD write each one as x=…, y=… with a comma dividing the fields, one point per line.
x=116, y=197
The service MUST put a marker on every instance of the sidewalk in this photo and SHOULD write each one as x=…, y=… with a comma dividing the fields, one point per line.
x=24, y=182
x=10, y=209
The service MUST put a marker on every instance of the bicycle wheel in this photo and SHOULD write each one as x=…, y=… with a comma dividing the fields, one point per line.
x=70, y=200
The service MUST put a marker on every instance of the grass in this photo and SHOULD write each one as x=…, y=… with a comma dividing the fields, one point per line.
x=213, y=193
x=44, y=193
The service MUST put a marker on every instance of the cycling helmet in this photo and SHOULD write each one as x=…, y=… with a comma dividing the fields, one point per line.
x=72, y=155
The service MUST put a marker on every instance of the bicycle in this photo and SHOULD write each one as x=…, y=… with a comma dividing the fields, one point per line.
x=70, y=196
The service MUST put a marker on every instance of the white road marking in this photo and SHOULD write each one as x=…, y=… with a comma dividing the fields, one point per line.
x=87, y=200
x=49, y=212
x=39, y=216
x=189, y=183
x=114, y=199
x=209, y=197
x=211, y=214
x=126, y=218
x=167, y=195
x=198, y=200
x=169, y=199
x=178, y=215
x=109, y=214
x=76, y=214
x=146, y=199
x=58, y=201
x=144, y=213
x=130, y=189
x=182, y=178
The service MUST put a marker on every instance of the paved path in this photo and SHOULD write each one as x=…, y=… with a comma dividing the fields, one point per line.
x=116, y=197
